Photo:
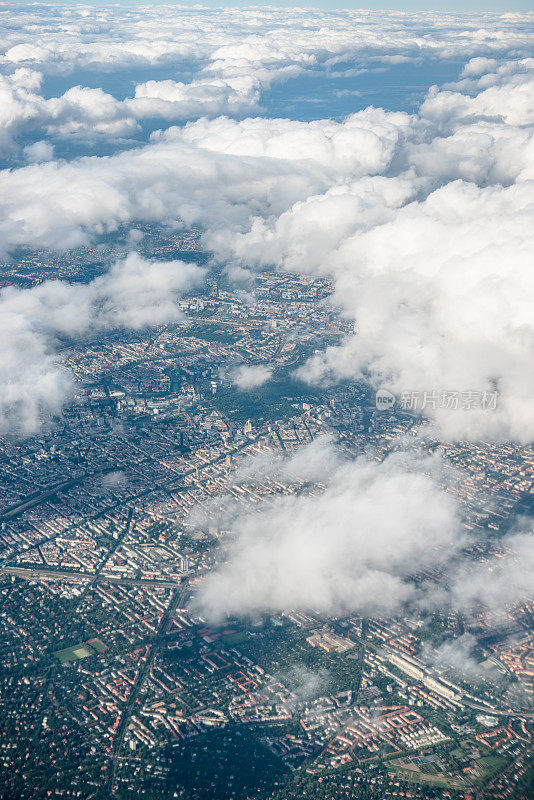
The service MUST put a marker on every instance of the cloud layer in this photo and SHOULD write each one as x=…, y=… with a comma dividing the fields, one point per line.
x=251, y=38
x=228, y=60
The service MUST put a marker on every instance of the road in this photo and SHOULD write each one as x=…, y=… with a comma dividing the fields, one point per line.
x=177, y=600
x=39, y=497
x=46, y=492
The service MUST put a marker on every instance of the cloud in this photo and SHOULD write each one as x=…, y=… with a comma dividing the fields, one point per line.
x=114, y=480
x=513, y=106
x=501, y=579
x=314, y=462
x=39, y=152
x=432, y=263
x=440, y=293
x=248, y=377
x=356, y=546
x=458, y=655
x=91, y=112
x=363, y=536
x=249, y=38
x=231, y=59
x=303, y=683
x=477, y=66
x=62, y=204
x=34, y=385
x=134, y=293
x=79, y=110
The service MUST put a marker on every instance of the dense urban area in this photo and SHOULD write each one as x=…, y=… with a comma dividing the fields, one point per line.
x=112, y=684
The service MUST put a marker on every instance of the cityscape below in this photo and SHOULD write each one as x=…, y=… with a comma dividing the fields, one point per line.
x=266, y=418
x=110, y=674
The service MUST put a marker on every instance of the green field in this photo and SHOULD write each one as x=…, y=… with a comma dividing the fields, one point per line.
x=74, y=653
x=416, y=776
x=490, y=766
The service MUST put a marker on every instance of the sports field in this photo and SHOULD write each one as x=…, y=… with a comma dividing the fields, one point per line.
x=74, y=653
x=98, y=645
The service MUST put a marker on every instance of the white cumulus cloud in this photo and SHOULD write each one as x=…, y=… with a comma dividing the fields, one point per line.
x=251, y=376
x=355, y=546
